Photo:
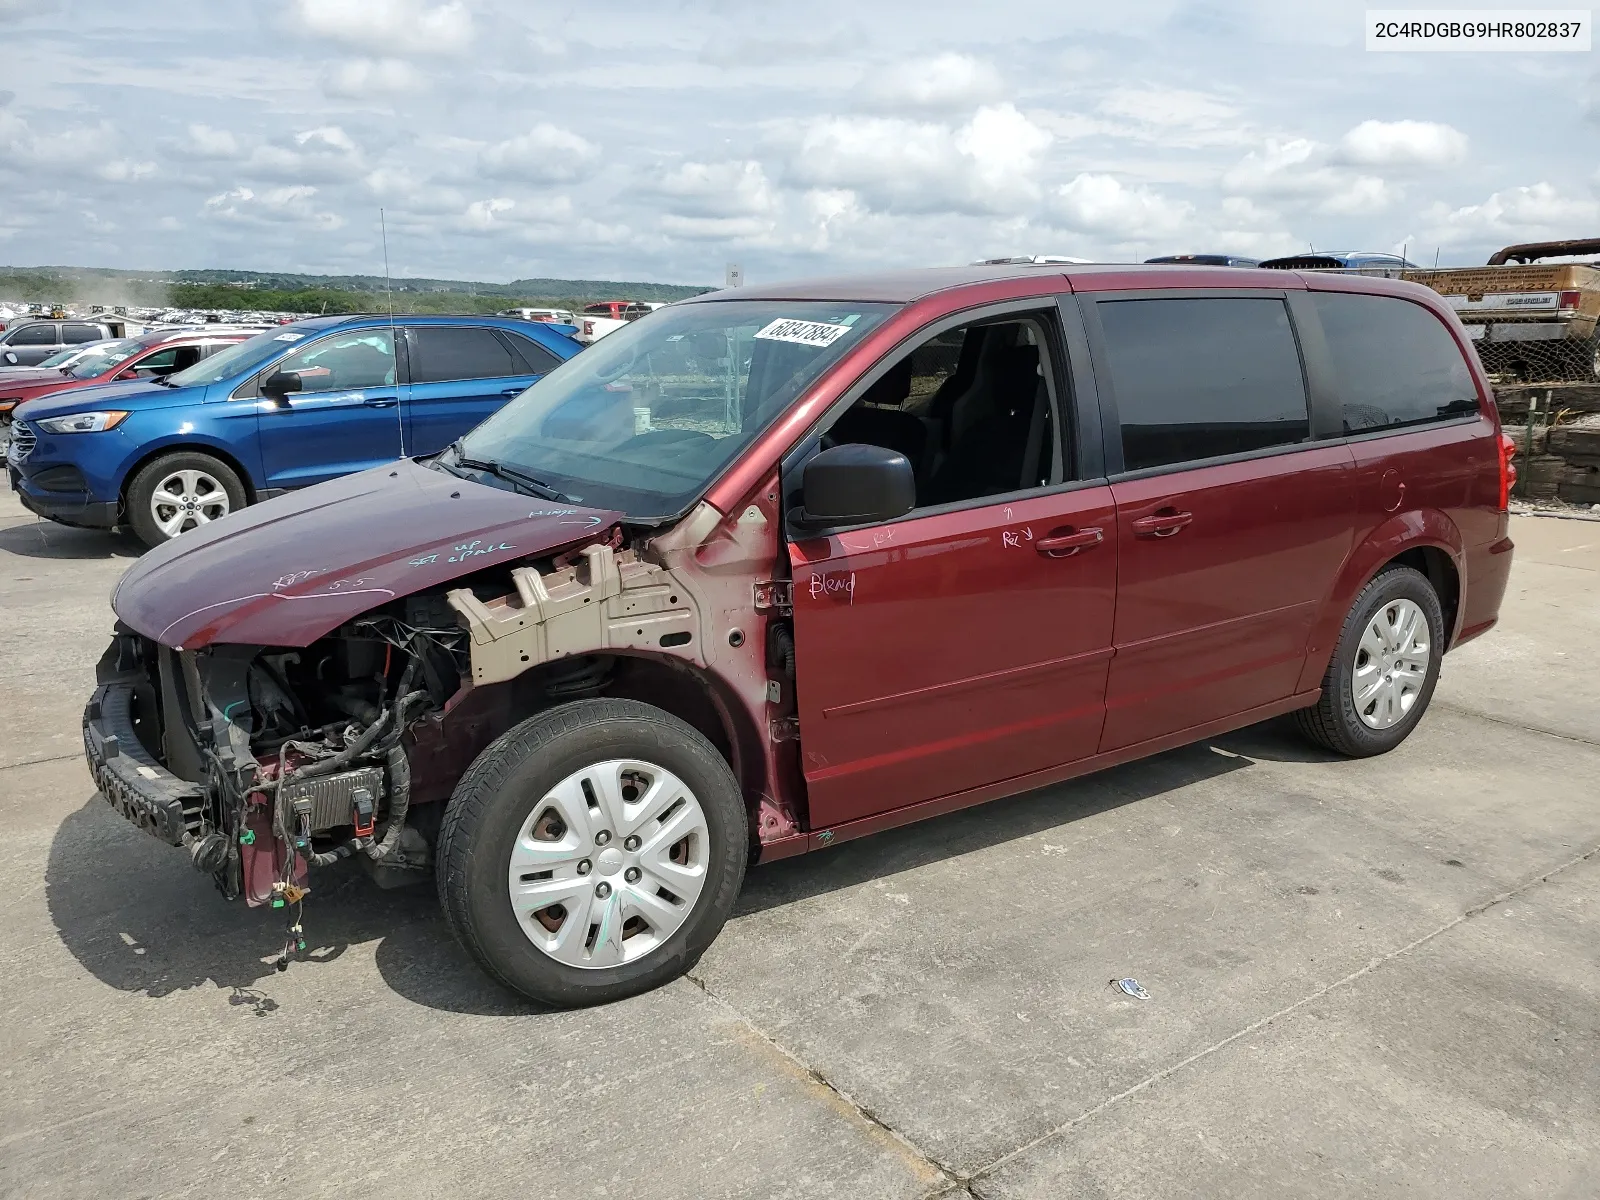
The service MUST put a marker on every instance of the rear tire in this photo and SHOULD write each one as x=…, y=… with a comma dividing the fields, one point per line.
x=201, y=489
x=1374, y=714
x=525, y=822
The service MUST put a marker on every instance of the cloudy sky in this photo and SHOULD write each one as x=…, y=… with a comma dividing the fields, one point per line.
x=653, y=140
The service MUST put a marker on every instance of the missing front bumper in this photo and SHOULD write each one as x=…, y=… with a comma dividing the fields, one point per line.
x=132, y=781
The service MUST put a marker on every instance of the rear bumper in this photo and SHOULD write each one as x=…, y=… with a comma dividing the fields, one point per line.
x=1554, y=330
x=132, y=781
x=1488, y=572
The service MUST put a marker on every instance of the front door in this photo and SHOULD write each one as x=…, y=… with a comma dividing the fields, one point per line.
x=967, y=643
x=1232, y=522
x=460, y=374
x=346, y=416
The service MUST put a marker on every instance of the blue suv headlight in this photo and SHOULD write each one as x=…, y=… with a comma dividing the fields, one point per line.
x=86, y=422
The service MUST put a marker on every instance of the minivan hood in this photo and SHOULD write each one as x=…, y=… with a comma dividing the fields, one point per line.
x=124, y=393
x=290, y=570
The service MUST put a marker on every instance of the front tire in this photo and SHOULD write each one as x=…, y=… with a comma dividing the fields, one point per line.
x=1384, y=669
x=179, y=492
x=592, y=852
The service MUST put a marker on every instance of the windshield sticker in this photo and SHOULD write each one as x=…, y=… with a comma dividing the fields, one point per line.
x=806, y=333
x=288, y=337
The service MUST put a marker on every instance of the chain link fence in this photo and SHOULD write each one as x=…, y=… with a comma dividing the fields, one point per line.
x=1514, y=347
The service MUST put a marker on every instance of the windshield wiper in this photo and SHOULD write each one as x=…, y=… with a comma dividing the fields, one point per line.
x=510, y=474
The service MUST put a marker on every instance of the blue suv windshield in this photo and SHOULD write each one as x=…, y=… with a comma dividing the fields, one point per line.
x=645, y=418
x=235, y=360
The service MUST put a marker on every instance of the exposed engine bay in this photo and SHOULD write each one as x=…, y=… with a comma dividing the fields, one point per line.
x=267, y=762
x=293, y=757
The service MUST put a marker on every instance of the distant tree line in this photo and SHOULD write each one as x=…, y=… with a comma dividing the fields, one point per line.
x=271, y=292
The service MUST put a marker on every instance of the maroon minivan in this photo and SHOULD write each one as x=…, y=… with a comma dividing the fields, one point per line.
x=775, y=568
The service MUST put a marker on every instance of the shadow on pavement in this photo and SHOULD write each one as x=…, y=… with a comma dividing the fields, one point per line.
x=1276, y=741
x=46, y=539
x=978, y=828
x=137, y=916
x=140, y=918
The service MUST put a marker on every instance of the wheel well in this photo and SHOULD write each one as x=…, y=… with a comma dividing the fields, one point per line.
x=220, y=455
x=1440, y=571
x=679, y=690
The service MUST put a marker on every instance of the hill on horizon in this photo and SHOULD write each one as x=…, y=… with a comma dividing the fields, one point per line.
x=293, y=292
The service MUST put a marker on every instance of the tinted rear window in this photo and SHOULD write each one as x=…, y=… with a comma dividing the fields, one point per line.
x=1203, y=378
x=1396, y=363
x=440, y=353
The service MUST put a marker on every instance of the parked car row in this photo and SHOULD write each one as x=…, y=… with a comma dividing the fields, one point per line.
x=166, y=450
x=28, y=342
x=608, y=316
x=149, y=357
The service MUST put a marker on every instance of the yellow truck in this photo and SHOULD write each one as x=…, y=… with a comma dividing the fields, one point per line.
x=1532, y=321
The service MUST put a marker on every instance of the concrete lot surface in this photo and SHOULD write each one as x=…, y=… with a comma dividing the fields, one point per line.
x=1376, y=978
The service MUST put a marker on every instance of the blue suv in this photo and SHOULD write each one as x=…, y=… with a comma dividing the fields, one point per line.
x=292, y=407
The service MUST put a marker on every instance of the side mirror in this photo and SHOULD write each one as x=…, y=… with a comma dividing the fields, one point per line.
x=855, y=485
x=11, y=358
x=130, y=373
x=280, y=383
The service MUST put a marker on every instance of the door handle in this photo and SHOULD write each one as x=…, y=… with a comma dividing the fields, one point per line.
x=380, y=401
x=510, y=392
x=1067, y=544
x=1162, y=524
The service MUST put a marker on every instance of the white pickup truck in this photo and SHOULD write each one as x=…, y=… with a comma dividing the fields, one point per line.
x=608, y=316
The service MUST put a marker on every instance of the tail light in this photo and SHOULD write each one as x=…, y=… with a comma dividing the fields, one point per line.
x=1508, y=468
x=588, y=329
x=1568, y=301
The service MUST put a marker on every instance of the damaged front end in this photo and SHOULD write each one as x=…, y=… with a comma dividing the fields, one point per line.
x=264, y=761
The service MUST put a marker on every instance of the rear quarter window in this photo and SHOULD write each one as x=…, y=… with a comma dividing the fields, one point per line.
x=1395, y=362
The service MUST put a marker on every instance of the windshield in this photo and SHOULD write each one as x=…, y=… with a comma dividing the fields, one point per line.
x=101, y=358
x=236, y=360
x=62, y=357
x=642, y=420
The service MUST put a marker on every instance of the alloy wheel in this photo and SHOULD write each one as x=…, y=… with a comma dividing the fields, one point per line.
x=1391, y=664
x=609, y=863
x=187, y=499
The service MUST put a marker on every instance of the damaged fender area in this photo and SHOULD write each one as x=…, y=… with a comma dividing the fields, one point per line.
x=700, y=594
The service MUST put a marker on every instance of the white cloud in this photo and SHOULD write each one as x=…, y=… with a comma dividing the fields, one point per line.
x=1173, y=117
x=326, y=154
x=388, y=26
x=283, y=205
x=1302, y=170
x=545, y=154
x=1281, y=168
x=945, y=82
x=206, y=142
x=716, y=229
x=723, y=189
x=1358, y=197
x=988, y=165
x=360, y=78
x=484, y=214
x=83, y=151
x=1403, y=143
x=1102, y=204
x=1531, y=213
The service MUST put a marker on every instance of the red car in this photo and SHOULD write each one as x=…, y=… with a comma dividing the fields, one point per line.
x=784, y=566
x=151, y=356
